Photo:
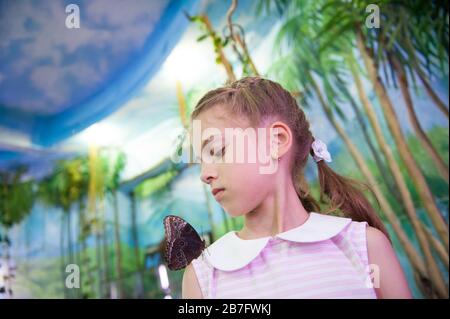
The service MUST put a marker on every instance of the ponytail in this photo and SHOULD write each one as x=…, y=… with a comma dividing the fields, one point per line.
x=344, y=194
x=308, y=201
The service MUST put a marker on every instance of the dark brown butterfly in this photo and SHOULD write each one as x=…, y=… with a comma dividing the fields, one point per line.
x=183, y=243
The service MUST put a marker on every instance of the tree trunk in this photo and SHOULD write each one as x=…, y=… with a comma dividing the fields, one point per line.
x=84, y=264
x=416, y=65
x=433, y=270
x=440, y=249
x=375, y=153
x=134, y=231
x=106, y=274
x=79, y=254
x=118, y=254
x=61, y=254
x=437, y=101
x=98, y=254
x=423, y=138
x=394, y=126
x=69, y=235
x=69, y=244
x=387, y=210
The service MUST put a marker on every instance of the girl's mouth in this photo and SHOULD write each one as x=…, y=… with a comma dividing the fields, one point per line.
x=217, y=193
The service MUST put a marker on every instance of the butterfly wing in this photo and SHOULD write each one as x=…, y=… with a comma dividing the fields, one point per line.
x=194, y=244
x=174, y=255
x=183, y=243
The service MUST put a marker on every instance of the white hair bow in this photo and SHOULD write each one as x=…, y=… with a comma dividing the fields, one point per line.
x=320, y=151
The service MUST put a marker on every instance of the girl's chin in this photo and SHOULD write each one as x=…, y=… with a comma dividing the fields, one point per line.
x=232, y=212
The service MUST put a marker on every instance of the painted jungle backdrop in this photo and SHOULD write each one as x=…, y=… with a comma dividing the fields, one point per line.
x=95, y=97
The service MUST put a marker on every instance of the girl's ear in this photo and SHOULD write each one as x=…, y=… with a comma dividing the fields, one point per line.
x=280, y=139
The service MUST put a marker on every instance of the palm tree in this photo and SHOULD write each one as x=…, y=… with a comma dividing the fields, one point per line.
x=403, y=148
x=62, y=189
x=386, y=208
x=84, y=229
x=423, y=138
x=388, y=39
x=83, y=233
x=95, y=219
x=429, y=203
x=396, y=173
x=374, y=152
x=365, y=44
x=134, y=232
x=48, y=196
x=103, y=171
x=406, y=198
x=343, y=19
x=425, y=36
x=115, y=167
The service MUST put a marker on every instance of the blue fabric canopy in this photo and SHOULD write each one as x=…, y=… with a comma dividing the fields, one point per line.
x=73, y=78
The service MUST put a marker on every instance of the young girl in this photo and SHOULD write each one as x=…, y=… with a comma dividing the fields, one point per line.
x=286, y=248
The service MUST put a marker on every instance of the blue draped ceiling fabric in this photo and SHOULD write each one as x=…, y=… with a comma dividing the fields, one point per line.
x=56, y=81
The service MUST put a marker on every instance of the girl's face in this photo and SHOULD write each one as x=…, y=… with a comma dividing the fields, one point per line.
x=243, y=176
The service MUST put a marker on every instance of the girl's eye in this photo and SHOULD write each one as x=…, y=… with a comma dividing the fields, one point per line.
x=221, y=152
x=213, y=153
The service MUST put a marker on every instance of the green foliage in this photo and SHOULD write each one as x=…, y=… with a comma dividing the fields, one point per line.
x=16, y=197
x=37, y=279
x=230, y=224
x=440, y=139
x=155, y=184
x=69, y=181
x=309, y=57
x=218, y=42
x=66, y=185
x=69, y=184
x=113, y=164
x=234, y=35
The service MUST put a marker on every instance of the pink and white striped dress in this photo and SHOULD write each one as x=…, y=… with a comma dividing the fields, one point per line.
x=325, y=257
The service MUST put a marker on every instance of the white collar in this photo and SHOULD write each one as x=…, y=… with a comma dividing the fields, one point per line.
x=230, y=252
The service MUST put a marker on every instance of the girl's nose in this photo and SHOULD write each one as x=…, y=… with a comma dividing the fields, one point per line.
x=208, y=173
